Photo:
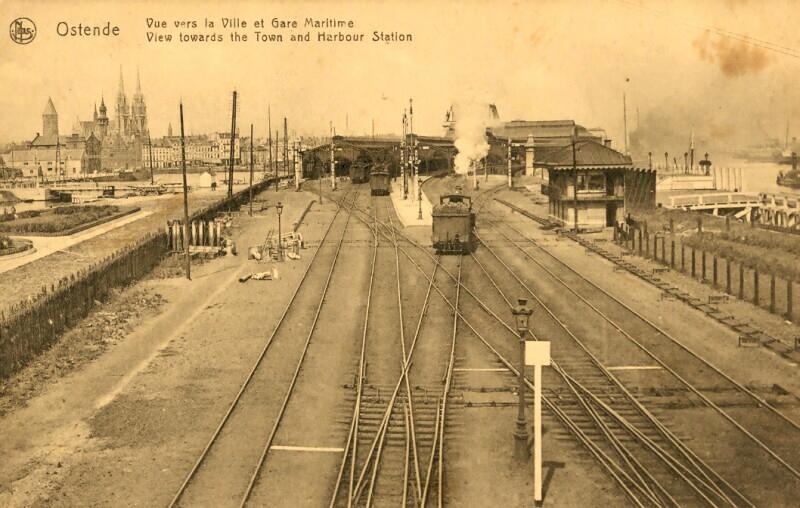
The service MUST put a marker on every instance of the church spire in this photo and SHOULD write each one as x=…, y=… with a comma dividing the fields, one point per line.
x=138, y=82
x=121, y=83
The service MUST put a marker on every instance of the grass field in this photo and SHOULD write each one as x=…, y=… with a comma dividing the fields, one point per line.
x=56, y=220
x=769, y=251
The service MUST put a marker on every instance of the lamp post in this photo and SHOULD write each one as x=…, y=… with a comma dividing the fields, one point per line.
x=279, y=209
x=521, y=315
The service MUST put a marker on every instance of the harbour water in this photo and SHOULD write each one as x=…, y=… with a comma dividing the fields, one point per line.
x=170, y=179
x=761, y=177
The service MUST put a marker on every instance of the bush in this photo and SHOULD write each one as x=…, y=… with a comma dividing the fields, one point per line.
x=102, y=210
x=27, y=214
x=59, y=219
x=5, y=242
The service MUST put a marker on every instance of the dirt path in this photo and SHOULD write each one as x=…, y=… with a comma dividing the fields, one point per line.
x=136, y=416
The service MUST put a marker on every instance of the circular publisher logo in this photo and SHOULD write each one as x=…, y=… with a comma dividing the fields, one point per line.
x=22, y=30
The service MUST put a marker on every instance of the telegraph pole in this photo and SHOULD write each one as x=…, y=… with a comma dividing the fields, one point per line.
x=251, y=170
x=575, y=187
x=285, y=148
x=413, y=155
x=404, y=156
x=333, y=161
x=233, y=134
x=269, y=132
x=277, y=144
x=150, y=145
x=186, y=229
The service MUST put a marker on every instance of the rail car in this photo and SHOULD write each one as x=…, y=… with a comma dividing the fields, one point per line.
x=453, y=224
x=379, y=183
x=359, y=172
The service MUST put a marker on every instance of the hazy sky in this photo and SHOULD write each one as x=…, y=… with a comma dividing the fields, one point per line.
x=535, y=60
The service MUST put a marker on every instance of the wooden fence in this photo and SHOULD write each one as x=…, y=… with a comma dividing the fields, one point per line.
x=767, y=290
x=32, y=326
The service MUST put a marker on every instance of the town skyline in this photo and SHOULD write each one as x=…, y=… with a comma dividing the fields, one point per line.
x=674, y=66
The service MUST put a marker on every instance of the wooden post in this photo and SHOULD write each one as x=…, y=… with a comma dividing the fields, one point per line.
x=703, y=265
x=728, y=276
x=741, y=281
x=714, y=271
x=693, y=264
x=640, y=241
x=186, y=189
x=672, y=253
x=755, y=287
x=772, y=293
x=683, y=258
x=664, y=249
x=699, y=225
x=789, y=297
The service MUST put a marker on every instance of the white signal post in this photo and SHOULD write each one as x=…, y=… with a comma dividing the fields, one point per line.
x=537, y=353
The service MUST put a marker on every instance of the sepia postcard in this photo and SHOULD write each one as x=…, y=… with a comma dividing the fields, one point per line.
x=403, y=253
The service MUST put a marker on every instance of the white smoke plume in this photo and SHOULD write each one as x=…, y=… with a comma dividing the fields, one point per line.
x=471, y=121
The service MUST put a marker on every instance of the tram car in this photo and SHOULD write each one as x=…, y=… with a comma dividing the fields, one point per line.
x=359, y=172
x=453, y=222
x=379, y=182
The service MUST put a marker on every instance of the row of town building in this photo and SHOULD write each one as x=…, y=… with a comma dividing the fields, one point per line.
x=215, y=149
x=99, y=144
x=589, y=184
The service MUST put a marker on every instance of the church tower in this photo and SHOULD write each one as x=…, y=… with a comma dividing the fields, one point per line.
x=102, y=120
x=138, y=110
x=50, y=120
x=169, y=130
x=122, y=110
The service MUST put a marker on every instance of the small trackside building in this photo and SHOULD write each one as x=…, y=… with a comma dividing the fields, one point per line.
x=598, y=172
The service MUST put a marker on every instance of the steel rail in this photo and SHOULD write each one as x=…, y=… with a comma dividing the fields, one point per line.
x=387, y=412
x=352, y=438
x=683, y=346
x=795, y=472
x=447, y=386
x=290, y=389
x=409, y=393
x=176, y=498
x=613, y=441
x=665, y=432
x=614, y=469
x=432, y=458
x=657, y=449
x=438, y=436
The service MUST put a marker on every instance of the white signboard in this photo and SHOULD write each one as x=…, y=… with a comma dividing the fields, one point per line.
x=537, y=352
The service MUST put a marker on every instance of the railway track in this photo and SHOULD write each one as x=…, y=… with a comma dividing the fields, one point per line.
x=394, y=450
x=229, y=466
x=767, y=432
x=661, y=470
x=615, y=469
x=706, y=484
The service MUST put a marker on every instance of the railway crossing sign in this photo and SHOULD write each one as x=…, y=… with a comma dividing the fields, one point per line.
x=537, y=353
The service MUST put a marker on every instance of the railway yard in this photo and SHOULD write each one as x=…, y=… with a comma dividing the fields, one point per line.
x=373, y=371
